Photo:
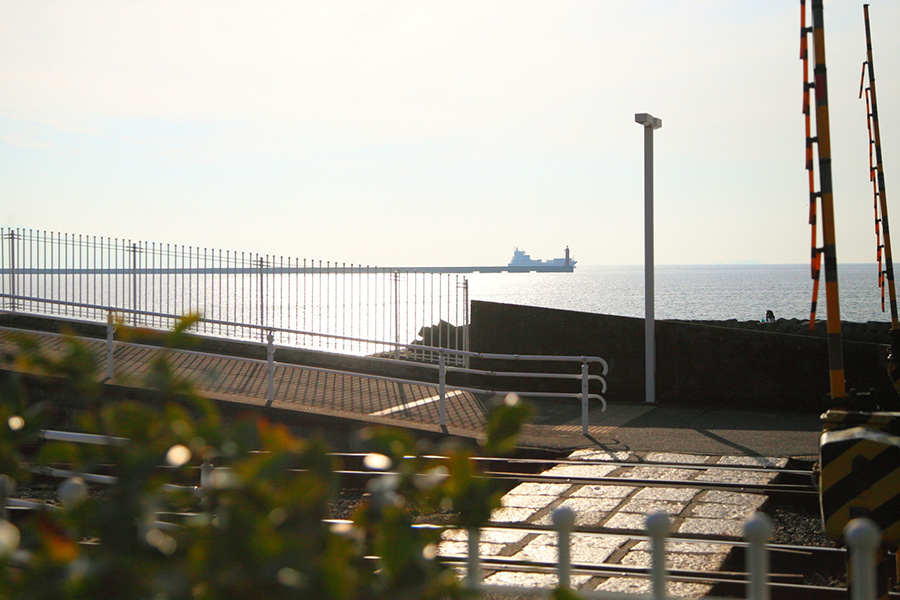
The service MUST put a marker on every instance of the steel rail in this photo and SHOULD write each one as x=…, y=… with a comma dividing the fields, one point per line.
x=811, y=553
x=807, y=492
x=102, y=439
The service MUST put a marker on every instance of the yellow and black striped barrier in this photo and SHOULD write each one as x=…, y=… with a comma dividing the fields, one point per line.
x=888, y=422
x=859, y=456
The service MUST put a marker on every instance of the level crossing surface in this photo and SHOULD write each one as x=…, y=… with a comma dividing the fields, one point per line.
x=355, y=398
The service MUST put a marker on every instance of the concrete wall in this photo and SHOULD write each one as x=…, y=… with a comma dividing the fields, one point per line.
x=697, y=364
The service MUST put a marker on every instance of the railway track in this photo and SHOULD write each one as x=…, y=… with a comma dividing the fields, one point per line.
x=791, y=564
x=792, y=486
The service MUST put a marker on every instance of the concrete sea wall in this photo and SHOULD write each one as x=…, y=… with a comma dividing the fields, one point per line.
x=766, y=365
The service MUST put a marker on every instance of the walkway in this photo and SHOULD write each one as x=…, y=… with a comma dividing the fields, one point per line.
x=623, y=427
x=297, y=388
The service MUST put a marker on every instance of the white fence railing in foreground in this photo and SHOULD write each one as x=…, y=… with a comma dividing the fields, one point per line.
x=862, y=537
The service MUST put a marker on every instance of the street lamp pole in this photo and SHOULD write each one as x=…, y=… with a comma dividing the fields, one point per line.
x=650, y=123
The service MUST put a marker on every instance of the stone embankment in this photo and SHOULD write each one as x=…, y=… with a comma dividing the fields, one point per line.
x=872, y=332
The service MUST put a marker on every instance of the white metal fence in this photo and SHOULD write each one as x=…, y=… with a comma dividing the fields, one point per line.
x=240, y=294
x=862, y=536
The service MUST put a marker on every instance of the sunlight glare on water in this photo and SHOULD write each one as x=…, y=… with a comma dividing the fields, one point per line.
x=702, y=292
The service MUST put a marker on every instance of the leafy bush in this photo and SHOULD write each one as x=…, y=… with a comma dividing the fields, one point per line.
x=256, y=528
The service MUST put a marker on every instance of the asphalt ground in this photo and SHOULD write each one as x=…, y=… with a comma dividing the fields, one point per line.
x=654, y=428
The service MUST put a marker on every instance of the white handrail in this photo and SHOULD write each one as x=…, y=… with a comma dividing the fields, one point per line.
x=441, y=385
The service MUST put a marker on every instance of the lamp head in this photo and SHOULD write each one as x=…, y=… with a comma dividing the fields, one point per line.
x=647, y=120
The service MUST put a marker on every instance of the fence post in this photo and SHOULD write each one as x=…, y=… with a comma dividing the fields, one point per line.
x=584, y=397
x=863, y=537
x=110, y=345
x=757, y=531
x=466, y=323
x=473, y=562
x=395, y=275
x=262, y=295
x=442, y=387
x=657, y=525
x=12, y=269
x=6, y=488
x=134, y=284
x=564, y=519
x=206, y=485
x=270, y=368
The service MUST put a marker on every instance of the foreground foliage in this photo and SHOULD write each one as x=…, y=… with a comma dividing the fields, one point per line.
x=254, y=527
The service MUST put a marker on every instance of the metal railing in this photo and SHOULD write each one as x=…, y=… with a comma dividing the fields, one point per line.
x=229, y=329
x=149, y=281
x=861, y=535
x=448, y=361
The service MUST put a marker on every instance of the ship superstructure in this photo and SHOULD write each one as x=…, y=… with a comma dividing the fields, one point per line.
x=521, y=261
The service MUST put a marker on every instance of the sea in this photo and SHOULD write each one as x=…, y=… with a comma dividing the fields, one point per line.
x=366, y=313
x=691, y=292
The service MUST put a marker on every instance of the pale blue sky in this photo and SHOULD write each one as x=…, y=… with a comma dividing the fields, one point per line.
x=436, y=133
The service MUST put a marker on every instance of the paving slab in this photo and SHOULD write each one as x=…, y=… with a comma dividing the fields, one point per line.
x=511, y=515
x=634, y=585
x=730, y=528
x=584, y=471
x=686, y=547
x=646, y=506
x=723, y=476
x=708, y=510
x=584, y=548
x=754, y=461
x=659, y=473
x=693, y=561
x=667, y=493
x=488, y=535
x=742, y=498
x=630, y=521
x=530, y=488
x=449, y=548
x=588, y=511
x=535, y=502
x=603, y=491
x=532, y=580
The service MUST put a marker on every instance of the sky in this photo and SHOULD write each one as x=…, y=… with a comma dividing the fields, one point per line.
x=423, y=133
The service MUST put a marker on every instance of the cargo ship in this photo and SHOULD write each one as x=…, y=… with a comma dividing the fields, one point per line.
x=522, y=262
